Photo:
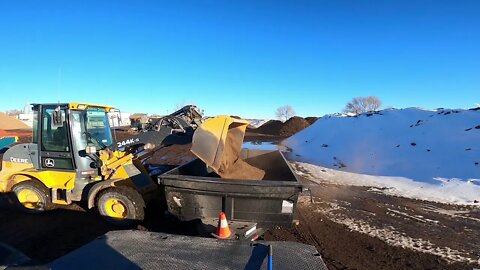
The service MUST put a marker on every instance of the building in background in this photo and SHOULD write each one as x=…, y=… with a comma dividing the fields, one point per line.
x=119, y=119
x=26, y=115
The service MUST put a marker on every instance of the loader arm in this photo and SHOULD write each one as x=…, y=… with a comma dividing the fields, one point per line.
x=217, y=142
x=171, y=131
x=188, y=116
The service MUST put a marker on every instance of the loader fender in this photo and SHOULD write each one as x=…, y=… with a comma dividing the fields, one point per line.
x=13, y=179
x=93, y=192
x=50, y=179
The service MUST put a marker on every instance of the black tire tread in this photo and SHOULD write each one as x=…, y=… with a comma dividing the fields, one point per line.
x=43, y=191
x=133, y=196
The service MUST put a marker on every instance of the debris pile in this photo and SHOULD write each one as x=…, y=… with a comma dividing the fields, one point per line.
x=271, y=127
x=11, y=123
x=287, y=129
x=311, y=120
x=292, y=126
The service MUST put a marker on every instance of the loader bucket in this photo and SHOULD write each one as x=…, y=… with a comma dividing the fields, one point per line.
x=218, y=141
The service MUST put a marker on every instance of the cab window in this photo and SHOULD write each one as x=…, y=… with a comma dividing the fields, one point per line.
x=54, y=137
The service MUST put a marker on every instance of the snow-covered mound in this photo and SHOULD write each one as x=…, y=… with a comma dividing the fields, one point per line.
x=436, y=151
x=255, y=123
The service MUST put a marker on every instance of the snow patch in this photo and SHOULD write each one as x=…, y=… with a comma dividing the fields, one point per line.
x=452, y=191
x=255, y=123
x=451, y=213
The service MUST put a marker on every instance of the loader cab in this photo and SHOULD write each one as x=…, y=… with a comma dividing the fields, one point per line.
x=64, y=131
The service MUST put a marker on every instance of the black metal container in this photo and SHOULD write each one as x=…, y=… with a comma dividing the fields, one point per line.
x=192, y=191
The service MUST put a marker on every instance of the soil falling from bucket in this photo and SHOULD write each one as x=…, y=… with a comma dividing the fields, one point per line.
x=233, y=167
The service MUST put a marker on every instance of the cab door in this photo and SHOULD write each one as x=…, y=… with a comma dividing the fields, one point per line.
x=55, y=144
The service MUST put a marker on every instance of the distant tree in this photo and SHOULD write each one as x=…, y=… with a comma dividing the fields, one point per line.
x=363, y=104
x=285, y=112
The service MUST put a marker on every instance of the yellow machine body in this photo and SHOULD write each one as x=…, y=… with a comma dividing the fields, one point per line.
x=212, y=142
x=14, y=173
x=17, y=170
x=218, y=141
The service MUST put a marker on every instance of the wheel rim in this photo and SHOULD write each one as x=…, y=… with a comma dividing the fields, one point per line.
x=115, y=208
x=30, y=199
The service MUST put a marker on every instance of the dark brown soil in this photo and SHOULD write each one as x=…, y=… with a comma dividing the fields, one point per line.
x=241, y=170
x=342, y=248
x=120, y=134
x=233, y=167
x=252, y=136
x=292, y=126
x=279, y=129
x=172, y=155
x=50, y=235
x=271, y=127
x=324, y=224
x=311, y=120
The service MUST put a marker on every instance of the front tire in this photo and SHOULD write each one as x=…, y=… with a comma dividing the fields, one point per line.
x=32, y=197
x=121, y=206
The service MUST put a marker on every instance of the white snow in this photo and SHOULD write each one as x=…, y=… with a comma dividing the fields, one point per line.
x=421, y=154
x=257, y=122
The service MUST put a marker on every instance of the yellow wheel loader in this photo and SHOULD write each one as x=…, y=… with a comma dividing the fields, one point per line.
x=75, y=157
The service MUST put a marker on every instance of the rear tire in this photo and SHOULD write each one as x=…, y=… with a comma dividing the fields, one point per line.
x=32, y=197
x=121, y=206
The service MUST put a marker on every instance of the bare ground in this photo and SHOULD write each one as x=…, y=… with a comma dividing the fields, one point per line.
x=356, y=228
x=352, y=227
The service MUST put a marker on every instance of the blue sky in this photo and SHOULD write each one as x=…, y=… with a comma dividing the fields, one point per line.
x=240, y=57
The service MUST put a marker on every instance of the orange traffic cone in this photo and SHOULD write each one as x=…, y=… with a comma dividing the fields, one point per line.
x=223, y=231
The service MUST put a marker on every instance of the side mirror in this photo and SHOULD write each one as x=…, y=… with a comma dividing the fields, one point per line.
x=91, y=149
x=57, y=118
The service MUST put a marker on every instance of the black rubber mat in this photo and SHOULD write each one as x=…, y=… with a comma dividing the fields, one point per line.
x=148, y=250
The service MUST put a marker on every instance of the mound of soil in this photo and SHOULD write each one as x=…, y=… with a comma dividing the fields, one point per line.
x=311, y=120
x=293, y=125
x=271, y=127
x=9, y=123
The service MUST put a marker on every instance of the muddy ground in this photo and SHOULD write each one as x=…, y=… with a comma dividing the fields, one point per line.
x=352, y=227
x=357, y=228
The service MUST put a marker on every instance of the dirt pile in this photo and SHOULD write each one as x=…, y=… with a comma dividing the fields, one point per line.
x=287, y=129
x=311, y=119
x=271, y=127
x=10, y=123
x=241, y=170
x=292, y=126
